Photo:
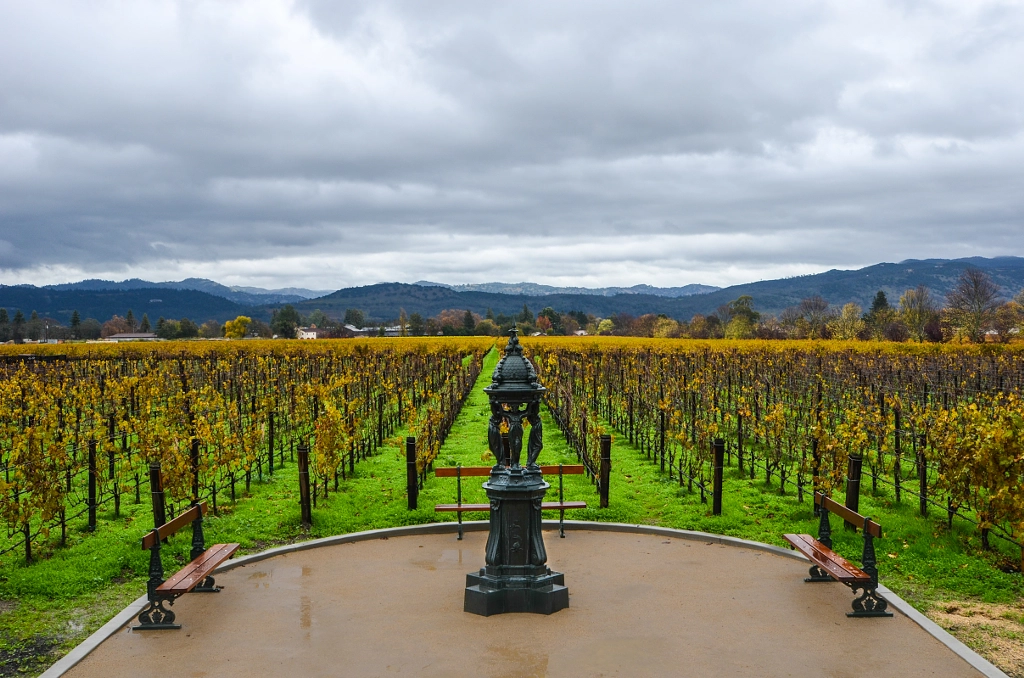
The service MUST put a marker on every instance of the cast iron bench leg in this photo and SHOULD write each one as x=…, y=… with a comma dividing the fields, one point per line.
x=155, y=616
x=208, y=585
x=868, y=603
x=825, y=537
x=817, y=574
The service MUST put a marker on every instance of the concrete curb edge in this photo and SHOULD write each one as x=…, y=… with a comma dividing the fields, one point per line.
x=65, y=663
x=89, y=644
x=940, y=634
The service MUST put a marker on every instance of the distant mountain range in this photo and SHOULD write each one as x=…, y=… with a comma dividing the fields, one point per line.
x=202, y=300
x=530, y=289
x=247, y=296
x=102, y=304
x=770, y=296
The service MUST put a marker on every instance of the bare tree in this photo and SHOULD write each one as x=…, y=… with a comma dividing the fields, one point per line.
x=917, y=309
x=972, y=303
x=770, y=328
x=815, y=310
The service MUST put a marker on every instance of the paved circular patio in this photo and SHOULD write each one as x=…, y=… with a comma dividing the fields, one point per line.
x=640, y=605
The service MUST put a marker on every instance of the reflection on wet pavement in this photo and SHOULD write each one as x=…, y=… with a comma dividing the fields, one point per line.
x=638, y=606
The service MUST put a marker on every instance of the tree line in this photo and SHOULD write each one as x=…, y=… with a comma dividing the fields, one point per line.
x=974, y=310
x=450, y=322
x=17, y=329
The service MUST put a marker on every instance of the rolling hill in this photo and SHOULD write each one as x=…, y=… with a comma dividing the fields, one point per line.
x=384, y=301
x=102, y=304
x=770, y=296
x=536, y=290
x=247, y=296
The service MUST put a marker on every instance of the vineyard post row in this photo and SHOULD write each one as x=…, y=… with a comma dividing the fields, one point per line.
x=950, y=419
x=209, y=415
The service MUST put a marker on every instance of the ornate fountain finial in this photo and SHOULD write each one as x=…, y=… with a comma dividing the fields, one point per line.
x=513, y=347
x=514, y=371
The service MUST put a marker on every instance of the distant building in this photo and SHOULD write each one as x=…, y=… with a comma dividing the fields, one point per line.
x=389, y=331
x=362, y=331
x=133, y=336
x=312, y=332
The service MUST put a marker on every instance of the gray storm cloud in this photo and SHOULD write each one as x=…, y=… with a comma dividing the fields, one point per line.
x=330, y=144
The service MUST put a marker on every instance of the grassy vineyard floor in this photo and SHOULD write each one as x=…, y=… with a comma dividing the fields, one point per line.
x=48, y=607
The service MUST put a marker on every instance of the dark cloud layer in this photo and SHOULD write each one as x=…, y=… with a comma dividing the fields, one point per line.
x=326, y=144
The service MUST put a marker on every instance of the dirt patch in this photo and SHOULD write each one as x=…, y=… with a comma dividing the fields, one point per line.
x=7, y=605
x=28, y=657
x=996, y=632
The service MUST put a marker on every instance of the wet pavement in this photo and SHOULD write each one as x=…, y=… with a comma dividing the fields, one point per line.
x=640, y=605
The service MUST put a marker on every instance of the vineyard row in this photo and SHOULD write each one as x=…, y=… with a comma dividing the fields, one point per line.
x=80, y=431
x=944, y=426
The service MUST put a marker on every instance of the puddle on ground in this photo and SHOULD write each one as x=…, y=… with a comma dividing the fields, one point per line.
x=451, y=556
x=282, y=577
x=305, y=612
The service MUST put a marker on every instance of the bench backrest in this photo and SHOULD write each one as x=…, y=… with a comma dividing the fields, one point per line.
x=850, y=516
x=466, y=471
x=169, y=528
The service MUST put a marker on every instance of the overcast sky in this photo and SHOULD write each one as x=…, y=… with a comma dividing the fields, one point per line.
x=326, y=144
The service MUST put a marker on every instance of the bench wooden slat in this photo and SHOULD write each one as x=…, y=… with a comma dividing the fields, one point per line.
x=850, y=516
x=170, y=527
x=565, y=505
x=545, y=506
x=838, y=567
x=468, y=471
x=450, y=471
x=192, y=574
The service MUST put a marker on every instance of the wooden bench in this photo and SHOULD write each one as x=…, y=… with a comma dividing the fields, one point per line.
x=193, y=577
x=459, y=472
x=829, y=566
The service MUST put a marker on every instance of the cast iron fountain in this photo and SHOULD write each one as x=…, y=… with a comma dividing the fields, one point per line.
x=515, y=578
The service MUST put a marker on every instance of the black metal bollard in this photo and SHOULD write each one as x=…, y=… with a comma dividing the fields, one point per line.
x=92, y=485
x=897, y=466
x=606, y=467
x=270, y=443
x=156, y=488
x=853, y=486
x=194, y=468
x=411, y=477
x=922, y=476
x=716, y=491
x=739, y=442
x=815, y=474
x=661, y=438
x=304, y=500
x=380, y=420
